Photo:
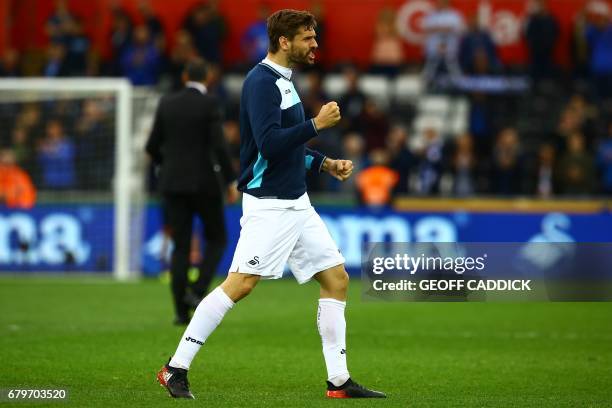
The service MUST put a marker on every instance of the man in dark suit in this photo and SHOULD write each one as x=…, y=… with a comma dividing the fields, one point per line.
x=187, y=143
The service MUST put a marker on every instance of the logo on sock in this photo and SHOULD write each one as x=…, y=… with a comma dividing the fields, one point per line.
x=343, y=351
x=254, y=261
x=191, y=339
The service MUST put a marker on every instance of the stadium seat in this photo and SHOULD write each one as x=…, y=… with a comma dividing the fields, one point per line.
x=458, y=123
x=407, y=88
x=424, y=122
x=376, y=87
x=334, y=85
x=434, y=104
x=447, y=115
x=233, y=84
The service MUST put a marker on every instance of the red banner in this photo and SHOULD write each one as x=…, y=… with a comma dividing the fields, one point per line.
x=349, y=24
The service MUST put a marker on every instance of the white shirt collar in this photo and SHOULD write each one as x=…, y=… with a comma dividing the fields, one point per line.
x=196, y=85
x=284, y=71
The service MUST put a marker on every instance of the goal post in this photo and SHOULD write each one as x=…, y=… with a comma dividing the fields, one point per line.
x=124, y=184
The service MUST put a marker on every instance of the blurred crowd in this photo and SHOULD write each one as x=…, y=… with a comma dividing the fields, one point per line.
x=560, y=149
x=61, y=145
x=552, y=138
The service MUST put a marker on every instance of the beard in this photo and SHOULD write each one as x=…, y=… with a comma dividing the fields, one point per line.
x=302, y=57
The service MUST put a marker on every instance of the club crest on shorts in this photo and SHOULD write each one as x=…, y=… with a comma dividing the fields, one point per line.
x=254, y=261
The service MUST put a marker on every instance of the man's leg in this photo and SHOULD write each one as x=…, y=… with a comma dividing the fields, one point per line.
x=210, y=210
x=209, y=314
x=180, y=220
x=332, y=327
x=331, y=322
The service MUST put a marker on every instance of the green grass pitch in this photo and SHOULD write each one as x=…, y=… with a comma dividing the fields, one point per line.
x=104, y=342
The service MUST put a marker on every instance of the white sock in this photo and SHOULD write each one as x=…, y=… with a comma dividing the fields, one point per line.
x=206, y=318
x=332, y=328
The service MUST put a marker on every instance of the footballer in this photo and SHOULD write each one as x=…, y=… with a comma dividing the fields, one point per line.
x=279, y=224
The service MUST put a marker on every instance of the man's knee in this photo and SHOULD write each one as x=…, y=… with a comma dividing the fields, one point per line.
x=334, y=282
x=246, y=286
x=341, y=280
x=238, y=285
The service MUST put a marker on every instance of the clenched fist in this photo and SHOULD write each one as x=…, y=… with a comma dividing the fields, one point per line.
x=340, y=169
x=328, y=116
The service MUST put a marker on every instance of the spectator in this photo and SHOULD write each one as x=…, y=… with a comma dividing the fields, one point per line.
x=56, y=61
x=353, y=148
x=570, y=122
x=16, y=188
x=587, y=115
x=141, y=60
x=318, y=12
x=352, y=101
x=599, y=37
x=376, y=182
x=208, y=29
x=182, y=52
x=255, y=39
x=580, y=45
x=505, y=175
x=477, y=49
x=77, y=48
x=374, y=124
x=542, y=178
x=541, y=35
x=576, y=168
x=153, y=23
x=388, y=49
x=9, y=66
x=429, y=162
x=400, y=158
x=214, y=82
x=120, y=39
x=58, y=25
x=604, y=161
x=94, y=153
x=480, y=119
x=30, y=119
x=443, y=28
x=313, y=96
x=22, y=149
x=463, y=166
x=56, y=157
x=481, y=64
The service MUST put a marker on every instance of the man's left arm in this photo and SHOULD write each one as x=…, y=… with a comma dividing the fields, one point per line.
x=313, y=160
x=337, y=168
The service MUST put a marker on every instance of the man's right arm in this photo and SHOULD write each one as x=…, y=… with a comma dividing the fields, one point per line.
x=263, y=101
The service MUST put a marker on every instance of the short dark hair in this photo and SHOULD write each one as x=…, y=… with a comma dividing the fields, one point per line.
x=287, y=23
x=196, y=70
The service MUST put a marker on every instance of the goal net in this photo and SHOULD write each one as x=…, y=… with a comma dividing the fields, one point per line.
x=79, y=141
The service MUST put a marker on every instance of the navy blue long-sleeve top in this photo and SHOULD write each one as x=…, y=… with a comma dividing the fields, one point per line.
x=273, y=131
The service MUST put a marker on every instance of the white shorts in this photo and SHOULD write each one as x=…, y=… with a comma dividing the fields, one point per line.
x=273, y=235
